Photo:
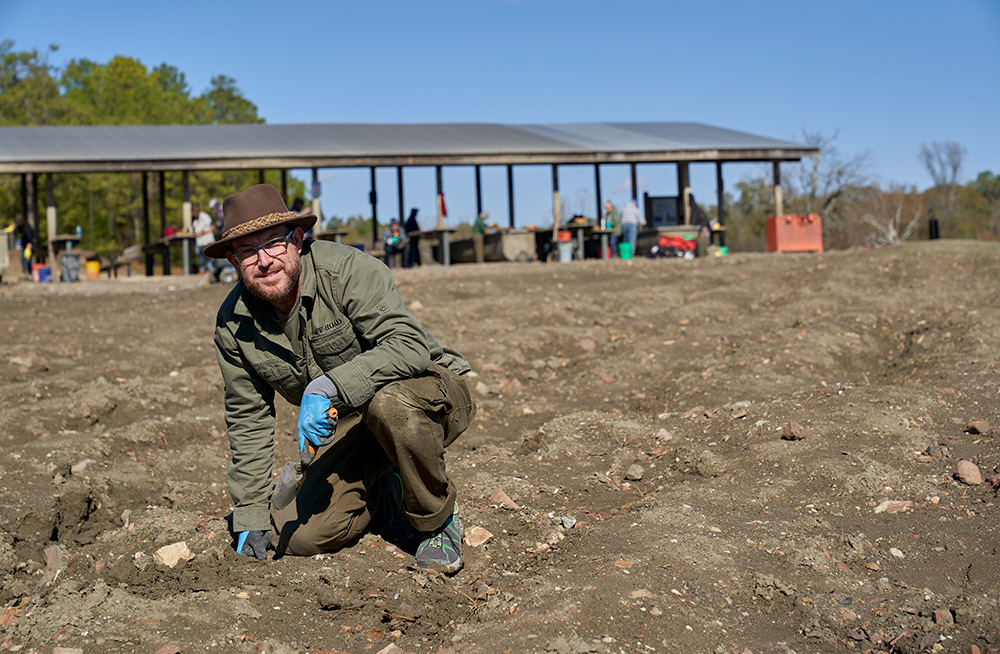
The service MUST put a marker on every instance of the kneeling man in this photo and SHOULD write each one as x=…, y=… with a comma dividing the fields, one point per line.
x=380, y=398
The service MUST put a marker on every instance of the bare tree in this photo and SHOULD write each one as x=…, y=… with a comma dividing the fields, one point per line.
x=893, y=214
x=943, y=161
x=820, y=183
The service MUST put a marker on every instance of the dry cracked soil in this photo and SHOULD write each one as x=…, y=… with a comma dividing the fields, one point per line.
x=754, y=453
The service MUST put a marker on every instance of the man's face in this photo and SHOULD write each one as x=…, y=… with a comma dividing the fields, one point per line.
x=274, y=278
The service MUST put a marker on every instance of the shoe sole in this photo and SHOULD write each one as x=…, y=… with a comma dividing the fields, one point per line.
x=444, y=569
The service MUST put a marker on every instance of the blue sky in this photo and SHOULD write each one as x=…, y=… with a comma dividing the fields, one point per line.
x=886, y=75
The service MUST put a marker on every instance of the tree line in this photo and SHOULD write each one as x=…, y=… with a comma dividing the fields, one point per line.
x=123, y=91
x=857, y=210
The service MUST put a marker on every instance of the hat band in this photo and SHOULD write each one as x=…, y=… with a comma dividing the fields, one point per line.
x=257, y=223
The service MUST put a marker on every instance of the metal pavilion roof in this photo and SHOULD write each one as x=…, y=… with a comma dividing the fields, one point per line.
x=192, y=147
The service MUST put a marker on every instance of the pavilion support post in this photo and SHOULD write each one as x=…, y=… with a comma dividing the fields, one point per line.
x=186, y=219
x=597, y=192
x=50, y=218
x=684, y=190
x=556, y=205
x=145, y=222
x=260, y=176
x=24, y=195
x=720, y=200
x=479, y=192
x=317, y=208
x=373, y=199
x=284, y=186
x=440, y=196
x=399, y=192
x=29, y=182
x=510, y=194
x=162, y=199
x=779, y=208
x=33, y=213
x=634, y=183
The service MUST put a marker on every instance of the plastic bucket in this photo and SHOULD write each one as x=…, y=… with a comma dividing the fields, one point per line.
x=624, y=250
x=565, y=251
x=93, y=269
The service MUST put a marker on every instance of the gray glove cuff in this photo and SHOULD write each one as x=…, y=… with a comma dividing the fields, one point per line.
x=322, y=385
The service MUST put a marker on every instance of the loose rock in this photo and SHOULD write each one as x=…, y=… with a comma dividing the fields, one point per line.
x=476, y=536
x=943, y=618
x=967, y=472
x=663, y=435
x=893, y=506
x=500, y=498
x=793, y=431
x=553, y=536
x=977, y=427
x=171, y=555
x=634, y=472
x=80, y=466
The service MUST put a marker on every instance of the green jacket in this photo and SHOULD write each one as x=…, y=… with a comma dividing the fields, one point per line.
x=349, y=322
x=615, y=222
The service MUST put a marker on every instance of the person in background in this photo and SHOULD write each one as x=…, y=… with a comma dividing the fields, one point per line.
x=204, y=235
x=632, y=220
x=216, y=207
x=412, y=228
x=479, y=236
x=613, y=222
x=323, y=325
x=394, y=242
x=28, y=240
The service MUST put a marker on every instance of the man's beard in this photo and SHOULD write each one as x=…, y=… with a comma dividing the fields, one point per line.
x=276, y=294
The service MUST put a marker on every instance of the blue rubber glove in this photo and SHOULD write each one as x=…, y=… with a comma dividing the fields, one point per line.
x=316, y=423
x=253, y=543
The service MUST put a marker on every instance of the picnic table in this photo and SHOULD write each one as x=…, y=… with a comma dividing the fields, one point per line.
x=163, y=245
x=335, y=235
x=580, y=233
x=65, y=242
x=604, y=235
x=444, y=237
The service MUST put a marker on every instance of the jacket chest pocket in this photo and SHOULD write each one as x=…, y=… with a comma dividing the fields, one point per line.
x=280, y=376
x=334, y=347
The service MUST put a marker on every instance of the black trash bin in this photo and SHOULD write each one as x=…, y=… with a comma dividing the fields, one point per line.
x=70, y=264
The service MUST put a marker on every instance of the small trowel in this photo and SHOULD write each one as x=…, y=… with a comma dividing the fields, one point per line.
x=294, y=473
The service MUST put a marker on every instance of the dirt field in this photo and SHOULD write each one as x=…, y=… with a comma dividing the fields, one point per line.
x=637, y=417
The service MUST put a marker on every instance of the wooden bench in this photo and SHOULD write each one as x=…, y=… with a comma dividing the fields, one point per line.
x=128, y=255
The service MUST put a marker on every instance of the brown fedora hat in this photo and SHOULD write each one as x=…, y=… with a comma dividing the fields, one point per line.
x=256, y=208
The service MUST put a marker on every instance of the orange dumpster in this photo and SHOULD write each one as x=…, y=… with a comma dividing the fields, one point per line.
x=801, y=232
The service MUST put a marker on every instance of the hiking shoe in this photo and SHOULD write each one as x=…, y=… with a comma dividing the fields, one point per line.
x=441, y=550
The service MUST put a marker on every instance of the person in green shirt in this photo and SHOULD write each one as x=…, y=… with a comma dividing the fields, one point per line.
x=613, y=222
x=479, y=236
x=323, y=326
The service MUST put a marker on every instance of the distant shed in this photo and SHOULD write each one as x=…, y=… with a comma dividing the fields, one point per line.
x=32, y=151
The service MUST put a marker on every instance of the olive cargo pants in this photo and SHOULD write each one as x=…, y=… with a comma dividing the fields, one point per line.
x=408, y=423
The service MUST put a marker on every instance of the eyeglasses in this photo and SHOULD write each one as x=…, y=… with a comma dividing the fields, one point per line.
x=274, y=248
